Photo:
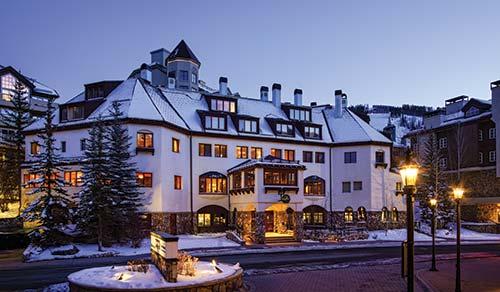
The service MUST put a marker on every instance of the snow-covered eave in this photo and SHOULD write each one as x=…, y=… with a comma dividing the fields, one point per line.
x=362, y=142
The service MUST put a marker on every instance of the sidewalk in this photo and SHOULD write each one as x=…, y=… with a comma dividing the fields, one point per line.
x=477, y=275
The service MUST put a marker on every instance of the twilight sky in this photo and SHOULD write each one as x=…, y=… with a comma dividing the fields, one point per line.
x=379, y=52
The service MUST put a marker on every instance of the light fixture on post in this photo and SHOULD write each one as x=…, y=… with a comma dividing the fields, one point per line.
x=409, y=173
x=458, y=194
x=433, y=203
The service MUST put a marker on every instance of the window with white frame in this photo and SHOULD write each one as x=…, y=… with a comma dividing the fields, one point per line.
x=443, y=163
x=493, y=156
x=284, y=129
x=492, y=133
x=248, y=126
x=443, y=143
x=8, y=86
x=481, y=158
x=215, y=123
x=480, y=135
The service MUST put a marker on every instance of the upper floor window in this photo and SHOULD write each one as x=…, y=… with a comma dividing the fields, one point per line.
x=472, y=112
x=312, y=132
x=73, y=178
x=205, y=149
x=8, y=86
x=220, y=150
x=480, y=135
x=177, y=182
x=289, y=155
x=184, y=75
x=144, y=179
x=236, y=180
x=492, y=133
x=493, y=156
x=63, y=146
x=28, y=178
x=215, y=123
x=223, y=105
x=249, y=178
x=144, y=139
x=194, y=78
x=357, y=185
x=286, y=177
x=276, y=152
x=379, y=157
x=350, y=157
x=213, y=182
x=284, y=129
x=70, y=113
x=241, y=152
x=443, y=163
x=176, y=145
x=34, y=148
x=256, y=152
x=320, y=157
x=481, y=158
x=443, y=143
x=314, y=185
x=346, y=187
x=307, y=156
x=248, y=126
x=300, y=114
x=399, y=186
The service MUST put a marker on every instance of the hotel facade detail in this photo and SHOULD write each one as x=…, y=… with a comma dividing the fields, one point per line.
x=209, y=159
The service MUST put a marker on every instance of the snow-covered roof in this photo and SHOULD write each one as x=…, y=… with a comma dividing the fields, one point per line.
x=140, y=100
x=268, y=161
x=38, y=87
x=349, y=128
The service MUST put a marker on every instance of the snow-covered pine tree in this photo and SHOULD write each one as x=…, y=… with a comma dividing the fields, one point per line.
x=122, y=179
x=433, y=185
x=51, y=206
x=95, y=208
x=16, y=119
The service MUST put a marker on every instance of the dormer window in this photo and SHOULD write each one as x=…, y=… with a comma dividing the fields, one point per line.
x=284, y=129
x=300, y=114
x=215, y=123
x=248, y=126
x=472, y=112
x=71, y=113
x=223, y=105
x=312, y=132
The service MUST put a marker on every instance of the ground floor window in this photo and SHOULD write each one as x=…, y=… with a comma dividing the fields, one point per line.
x=385, y=214
x=348, y=215
x=314, y=215
x=212, y=218
x=362, y=214
x=394, y=215
x=204, y=220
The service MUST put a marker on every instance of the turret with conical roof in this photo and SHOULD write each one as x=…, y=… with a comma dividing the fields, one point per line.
x=183, y=66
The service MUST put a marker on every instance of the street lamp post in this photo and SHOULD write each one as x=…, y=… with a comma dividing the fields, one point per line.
x=409, y=173
x=458, y=194
x=433, y=203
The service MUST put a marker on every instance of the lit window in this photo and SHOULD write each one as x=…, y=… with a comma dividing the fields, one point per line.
x=348, y=215
x=144, y=140
x=307, y=156
x=384, y=215
x=212, y=182
x=362, y=214
x=220, y=150
x=35, y=148
x=73, y=178
x=289, y=155
x=285, y=177
x=256, y=153
x=144, y=179
x=314, y=186
x=223, y=105
x=8, y=86
x=177, y=182
x=241, y=152
x=350, y=157
x=28, y=178
x=394, y=214
x=314, y=215
x=236, y=179
x=276, y=152
x=204, y=220
x=249, y=178
x=346, y=187
x=176, y=145
x=205, y=149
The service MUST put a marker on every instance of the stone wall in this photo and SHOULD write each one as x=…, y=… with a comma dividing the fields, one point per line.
x=480, y=213
x=373, y=221
x=173, y=223
x=483, y=228
x=259, y=227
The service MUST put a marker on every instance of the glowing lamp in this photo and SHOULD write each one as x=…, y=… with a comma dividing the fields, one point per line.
x=458, y=193
x=433, y=202
x=409, y=173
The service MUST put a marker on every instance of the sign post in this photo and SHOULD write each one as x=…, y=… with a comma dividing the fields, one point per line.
x=164, y=249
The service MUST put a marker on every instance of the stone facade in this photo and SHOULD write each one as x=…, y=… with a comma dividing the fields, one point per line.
x=259, y=227
x=481, y=213
x=167, y=267
x=173, y=223
x=373, y=221
x=298, y=225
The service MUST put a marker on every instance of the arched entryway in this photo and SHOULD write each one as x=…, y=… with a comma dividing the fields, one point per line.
x=212, y=218
x=279, y=221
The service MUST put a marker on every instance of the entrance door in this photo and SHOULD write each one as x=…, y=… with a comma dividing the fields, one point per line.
x=269, y=221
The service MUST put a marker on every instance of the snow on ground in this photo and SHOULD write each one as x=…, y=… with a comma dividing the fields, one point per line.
x=379, y=121
x=467, y=234
x=12, y=212
x=217, y=240
x=395, y=235
x=120, y=277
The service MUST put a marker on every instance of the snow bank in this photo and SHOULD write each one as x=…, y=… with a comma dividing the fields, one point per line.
x=217, y=240
x=120, y=278
x=395, y=235
x=466, y=234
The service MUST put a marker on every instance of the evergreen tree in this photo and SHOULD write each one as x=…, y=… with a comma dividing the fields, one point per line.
x=16, y=119
x=51, y=205
x=95, y=209
x=433, y=185
x=122, y=178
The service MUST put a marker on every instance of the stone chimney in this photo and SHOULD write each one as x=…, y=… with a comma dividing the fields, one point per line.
x=264, y=93
x=223, y=85
x=297, y=96
x=340, y=103
x=159, y=56
x=277, y=94
x=495, y=102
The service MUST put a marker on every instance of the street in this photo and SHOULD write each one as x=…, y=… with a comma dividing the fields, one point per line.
x=15, y=275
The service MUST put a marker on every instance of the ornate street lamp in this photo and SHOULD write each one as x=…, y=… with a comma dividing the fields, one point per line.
x=433, y=203
x=458, y=194
x=409, y=173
